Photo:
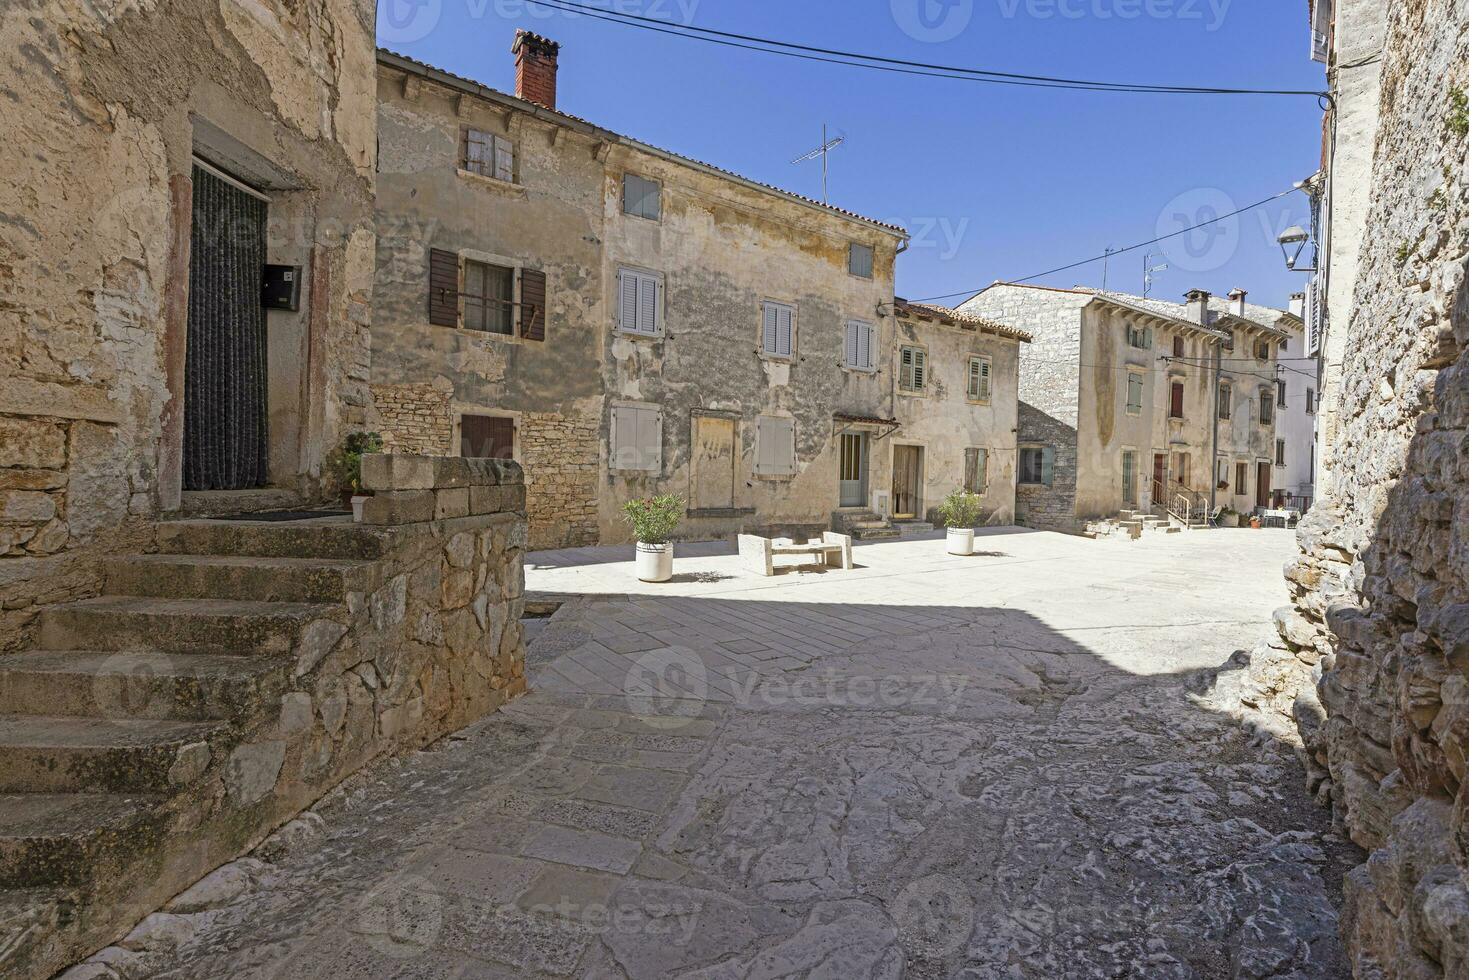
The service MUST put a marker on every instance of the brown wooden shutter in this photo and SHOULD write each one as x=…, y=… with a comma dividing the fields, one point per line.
x=532, y=304
x=487, y=436
x=1175, y=408
x=443, y=288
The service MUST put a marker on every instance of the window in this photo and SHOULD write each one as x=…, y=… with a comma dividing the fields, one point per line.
x=641, y=197
x=859, y=260
x=1175, y=400
x=487, y=436
x=857, y=346
x=775, y=446
x=1262, y=350
x=777, y=326
x=1037, y=465
x=1280, y=393
x=1134, y=393
x=1139, y=337
x=976, y=461
x=1284, y=343
x=1241, y=478
x=637, y=438
x=1310, y=401
x=639, y=302
x=1177, y=346
x=1267, y=407
x=913, y=370
x=1279, y=452
x=489, y=155
x=1226, y=401
x=979, y=379
x=488, y=297
x=1229, y=341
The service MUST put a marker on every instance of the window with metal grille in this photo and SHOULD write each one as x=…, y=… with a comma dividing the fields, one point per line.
x=639, y=302
x=913, y=370
x=641, y=197
x=488, y=297
x=857, y=346
x=489, y=155
x=979, y=379
x=859, y=260
x=490, y=436
x=1280, y=393
x=1134, y=393
x=976, y=463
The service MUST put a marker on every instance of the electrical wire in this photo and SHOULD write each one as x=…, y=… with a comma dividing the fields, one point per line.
x=857, y=59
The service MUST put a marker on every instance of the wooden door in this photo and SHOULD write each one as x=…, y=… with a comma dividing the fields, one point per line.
x=1160, y=474
x=1262, y=484
x=852, y=481
x=712, y=471
x=1129, y=478
x=907, y=463
x=487, y=436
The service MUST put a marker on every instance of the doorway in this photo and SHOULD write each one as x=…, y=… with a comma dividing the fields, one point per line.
x=907, y=467
x=1160, y=474
x=712, y=472
x=225, y=355
x=1262, y=484
x=852, y=479
x=1129, y=478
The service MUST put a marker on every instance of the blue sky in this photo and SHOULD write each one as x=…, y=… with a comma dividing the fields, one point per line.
x=994, y=182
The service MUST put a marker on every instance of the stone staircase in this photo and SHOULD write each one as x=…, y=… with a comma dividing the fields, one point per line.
x=219, y=686
x=863, y=524
x=1131, y=524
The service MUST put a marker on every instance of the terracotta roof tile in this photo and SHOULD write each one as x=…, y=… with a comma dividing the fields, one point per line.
x=960, y=318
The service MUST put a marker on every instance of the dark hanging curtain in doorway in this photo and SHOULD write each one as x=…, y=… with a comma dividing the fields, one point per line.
x=224, y=368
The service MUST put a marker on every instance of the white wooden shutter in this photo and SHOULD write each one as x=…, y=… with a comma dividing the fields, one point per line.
x=920, y=369
x=627, y=302
x=864, y=352
x=650, y=439
x=784, y=327
x=637, y=438
x=850, y=345
x=905, y=369
x=770, y=332
x=504, y=159
x=775, y=446
x=647, y=304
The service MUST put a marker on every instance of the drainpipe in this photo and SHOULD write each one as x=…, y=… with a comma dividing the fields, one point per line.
x=1214, y=414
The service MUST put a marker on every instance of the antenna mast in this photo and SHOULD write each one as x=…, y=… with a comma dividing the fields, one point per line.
x=827, y=145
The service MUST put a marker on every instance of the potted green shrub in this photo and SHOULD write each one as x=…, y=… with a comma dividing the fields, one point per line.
x=1229, y=517
x=345, y=465
x=960, y=511
x=653, y=520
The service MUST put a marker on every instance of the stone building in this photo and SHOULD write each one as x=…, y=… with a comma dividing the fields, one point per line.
x=1294, y=484
x=1133, y=403
x=1368, y=667
x=148, y=145
x=957, y=380
x=621, y=319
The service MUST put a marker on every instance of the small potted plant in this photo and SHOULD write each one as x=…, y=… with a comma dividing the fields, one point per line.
x=1229, y=517
x=960, y=511
x=345, y=464
x=653, y=520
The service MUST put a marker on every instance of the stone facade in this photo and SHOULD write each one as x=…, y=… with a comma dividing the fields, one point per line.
x=1075, y=381
x=1370, y=657
x=108, y=104
x=718, y=248
x=414, y=418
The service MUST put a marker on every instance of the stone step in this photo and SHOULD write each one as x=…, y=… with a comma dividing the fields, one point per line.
x=45, y=754
x=331, y=538
x=177, y=625
x=906, y=528
x=139, y=684
x=50, y=839
x=876, y=533
x=239, y=577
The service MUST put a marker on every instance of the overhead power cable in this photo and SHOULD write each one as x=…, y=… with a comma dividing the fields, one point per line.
x=1116, y=251
x=904, y=66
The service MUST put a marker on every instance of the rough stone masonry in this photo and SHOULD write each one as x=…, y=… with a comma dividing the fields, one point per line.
x=1372, y=659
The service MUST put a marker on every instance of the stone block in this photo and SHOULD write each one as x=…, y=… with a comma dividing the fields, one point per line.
x=450, y=503
x=451, y=472
x=397, y=471
x=32, y=443
x=399, y=507
x=26, y=507
x=496, y=499
x=252, y=771
x=494, y=472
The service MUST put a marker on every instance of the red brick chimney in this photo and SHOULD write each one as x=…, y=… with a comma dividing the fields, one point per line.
x=535, y=68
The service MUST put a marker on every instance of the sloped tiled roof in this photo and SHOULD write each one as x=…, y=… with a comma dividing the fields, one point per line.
x=402, y=62
x=959, y=318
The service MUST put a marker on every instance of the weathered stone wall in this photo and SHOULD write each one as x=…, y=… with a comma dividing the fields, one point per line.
x=562, y=457
x=106, y=105
x=414, y=418
x=1380, y=592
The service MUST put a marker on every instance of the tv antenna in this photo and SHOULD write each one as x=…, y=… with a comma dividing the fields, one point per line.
x=1148, y=270
x=827, y=145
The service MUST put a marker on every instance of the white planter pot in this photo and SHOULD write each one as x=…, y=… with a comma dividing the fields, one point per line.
x=961, y=540
x=357, y=503
x=655, y=562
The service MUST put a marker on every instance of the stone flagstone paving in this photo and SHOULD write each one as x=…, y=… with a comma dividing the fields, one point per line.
x=1004, y=765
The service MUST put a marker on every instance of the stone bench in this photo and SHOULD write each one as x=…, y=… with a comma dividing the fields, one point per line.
x=407, y=489
x=829, y=550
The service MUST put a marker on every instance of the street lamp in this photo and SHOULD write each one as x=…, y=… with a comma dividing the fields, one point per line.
x=1295, y=236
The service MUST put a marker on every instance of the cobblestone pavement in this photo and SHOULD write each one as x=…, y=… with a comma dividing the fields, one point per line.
x=1003, y=765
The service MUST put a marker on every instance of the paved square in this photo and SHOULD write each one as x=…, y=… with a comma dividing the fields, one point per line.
x=1003, y=765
